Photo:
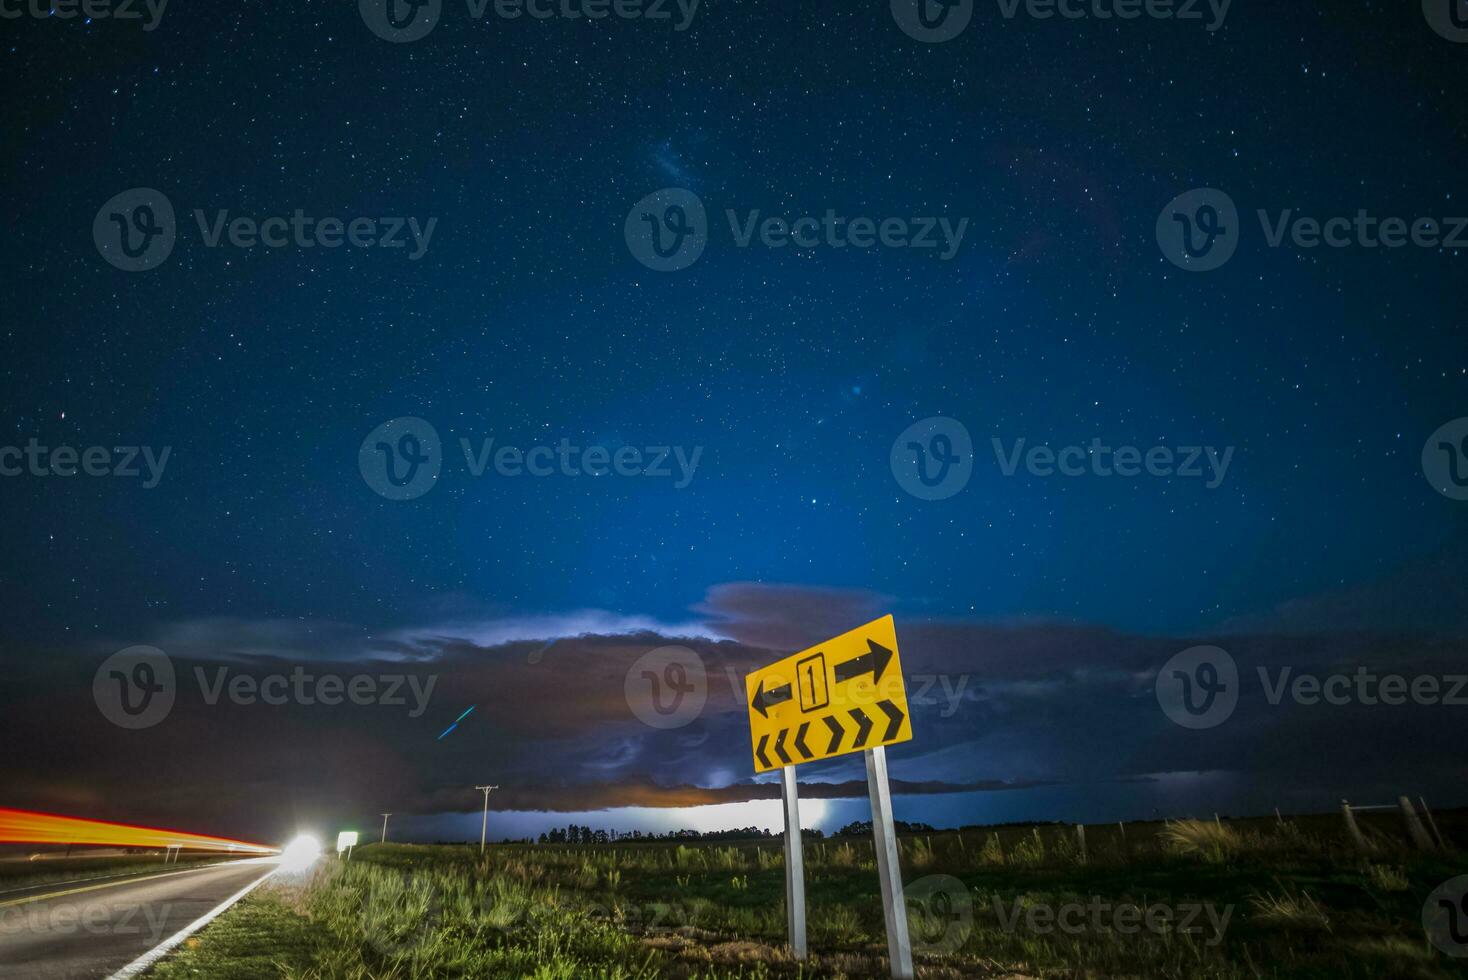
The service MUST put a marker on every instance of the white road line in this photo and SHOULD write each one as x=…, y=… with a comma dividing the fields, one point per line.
x=137, y=966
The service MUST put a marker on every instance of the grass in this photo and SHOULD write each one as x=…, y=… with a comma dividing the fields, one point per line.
x=263, y=936
x=1271, y=900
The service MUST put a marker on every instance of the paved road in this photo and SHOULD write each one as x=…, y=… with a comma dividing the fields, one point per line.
x=87, y=930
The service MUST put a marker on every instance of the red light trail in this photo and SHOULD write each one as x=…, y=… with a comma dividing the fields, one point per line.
x=26, y=827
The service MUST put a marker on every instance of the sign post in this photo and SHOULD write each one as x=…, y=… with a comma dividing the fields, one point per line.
x=894, y=903
x=794, y=865
x=842, y=696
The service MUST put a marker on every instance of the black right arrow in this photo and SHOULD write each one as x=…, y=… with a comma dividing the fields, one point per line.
x=768, y=699
x=780, y=746
x=836, y=732
x=864, y=727
x=873, y=662
x=894, y=719
x=759, y=752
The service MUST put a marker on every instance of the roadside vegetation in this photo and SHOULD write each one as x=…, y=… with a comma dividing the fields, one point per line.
x=1242, y=899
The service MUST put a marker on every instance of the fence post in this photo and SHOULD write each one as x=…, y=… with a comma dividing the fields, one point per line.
x=1415, y=829
x=1441, y=842
x=1081, y=840
x=1351, y=827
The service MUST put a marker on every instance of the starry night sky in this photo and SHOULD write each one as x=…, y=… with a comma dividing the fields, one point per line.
x=528, y=320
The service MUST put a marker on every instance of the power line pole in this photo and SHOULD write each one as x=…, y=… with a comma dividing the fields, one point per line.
x=384, y=827
x=484, y=824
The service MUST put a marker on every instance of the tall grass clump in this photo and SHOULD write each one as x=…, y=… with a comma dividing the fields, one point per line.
x=1209, y=842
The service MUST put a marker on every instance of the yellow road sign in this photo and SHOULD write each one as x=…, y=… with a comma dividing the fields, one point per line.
x=841, y=696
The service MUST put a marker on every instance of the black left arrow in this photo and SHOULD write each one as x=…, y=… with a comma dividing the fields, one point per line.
x=780, y=746
x=799, y=742
x=873, y=662
x=759, y=752
x=764, y=700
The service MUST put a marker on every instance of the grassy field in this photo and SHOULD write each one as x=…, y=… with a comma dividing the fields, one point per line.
x=1187, y=900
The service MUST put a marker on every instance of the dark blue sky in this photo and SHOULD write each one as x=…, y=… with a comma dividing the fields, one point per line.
x=1059, y=321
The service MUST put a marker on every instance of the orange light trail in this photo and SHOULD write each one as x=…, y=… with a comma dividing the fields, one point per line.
x=25, y=827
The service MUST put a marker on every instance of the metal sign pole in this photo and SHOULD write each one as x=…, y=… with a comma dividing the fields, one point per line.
x=794, y=864
x=884, y=833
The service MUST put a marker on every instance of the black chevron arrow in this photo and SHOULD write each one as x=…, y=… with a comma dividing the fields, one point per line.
x=768, y=699
x=759, y=752
x=873, y=662
x=864, y=727
x=799, y=742
x=894, y=719
x=780, y=746
x=836, y=732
